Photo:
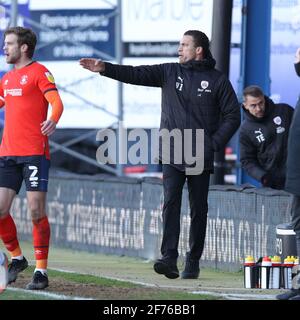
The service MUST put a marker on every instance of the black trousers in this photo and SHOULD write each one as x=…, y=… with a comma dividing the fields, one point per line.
x=296, y=220
x=173, y=182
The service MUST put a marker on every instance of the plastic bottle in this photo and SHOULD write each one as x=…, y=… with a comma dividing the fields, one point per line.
x=265, y=272
x=250, y=273
x=275, y=272
x=287, y=267
x=295, y=267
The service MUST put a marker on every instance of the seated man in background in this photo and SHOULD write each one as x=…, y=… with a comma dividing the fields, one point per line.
x=263, y=138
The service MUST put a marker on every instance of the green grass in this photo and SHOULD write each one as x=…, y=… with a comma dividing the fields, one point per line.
x=134, y=292
x=150, y=293
x=105, y=271
x=13, y=295
x=90, y=279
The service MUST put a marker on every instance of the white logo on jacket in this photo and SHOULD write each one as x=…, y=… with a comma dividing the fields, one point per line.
x=259, y=135
x=277, y=120
x=280, y=130
x=204, y=84
x=179, y=84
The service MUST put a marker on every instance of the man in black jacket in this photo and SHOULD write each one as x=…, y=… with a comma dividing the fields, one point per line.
x=194, y=96
x=263, y=138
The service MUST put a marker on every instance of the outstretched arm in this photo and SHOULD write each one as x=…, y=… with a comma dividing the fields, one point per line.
x=92, y=64
x=145, y=75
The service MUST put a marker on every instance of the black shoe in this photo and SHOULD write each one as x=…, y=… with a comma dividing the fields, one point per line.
x=16, y=266
x=191, y=270
x=169, y=269
x=39, y=281
x=288, y=295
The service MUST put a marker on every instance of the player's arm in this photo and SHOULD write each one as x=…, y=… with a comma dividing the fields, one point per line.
x=49, y=126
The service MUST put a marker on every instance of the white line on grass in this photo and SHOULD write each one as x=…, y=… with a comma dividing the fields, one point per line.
x=152, y=285
x=229, y=296
x=48, y=294
x=238, y=296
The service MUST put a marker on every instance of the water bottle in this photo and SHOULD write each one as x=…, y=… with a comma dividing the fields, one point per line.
x=3, y=271
x=275, y=272
x=296, y=274
x=250, y=273
x=295, y=267
x=287, y=268
x=265, y=273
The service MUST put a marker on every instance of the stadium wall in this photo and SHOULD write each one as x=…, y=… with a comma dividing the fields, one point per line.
x=122, y=216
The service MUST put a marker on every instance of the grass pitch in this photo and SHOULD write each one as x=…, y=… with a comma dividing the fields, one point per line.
x=82, y=275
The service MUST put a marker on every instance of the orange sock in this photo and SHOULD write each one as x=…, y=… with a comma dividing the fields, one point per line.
x=41, y=264
x=41, y=238
x=8, y=234
x=16, y=253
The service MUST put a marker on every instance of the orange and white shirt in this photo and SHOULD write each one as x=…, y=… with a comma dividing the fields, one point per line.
x=26, y=108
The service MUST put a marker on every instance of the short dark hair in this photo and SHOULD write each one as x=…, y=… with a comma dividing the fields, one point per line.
x=253, y=91
x=200, y=40
x=25, y=36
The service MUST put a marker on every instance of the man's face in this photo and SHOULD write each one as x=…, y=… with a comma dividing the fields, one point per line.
x=11, y=49
x=187, y=50
x=256, y=106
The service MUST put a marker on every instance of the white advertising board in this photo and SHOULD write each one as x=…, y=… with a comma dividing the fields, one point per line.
x=164, y=20
x=85, y=95
x=70, y=4
x=285, y=85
